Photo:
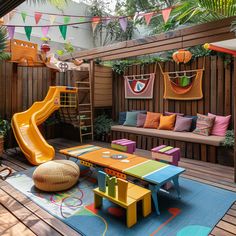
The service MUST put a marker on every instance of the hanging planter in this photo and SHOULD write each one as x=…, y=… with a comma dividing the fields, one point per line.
x=182, y=56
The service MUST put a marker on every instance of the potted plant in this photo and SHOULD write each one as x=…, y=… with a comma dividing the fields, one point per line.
x=102, y=128
x=226, y=152
x=4, y=128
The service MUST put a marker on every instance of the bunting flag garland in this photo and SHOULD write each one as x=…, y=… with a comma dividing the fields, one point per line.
x=107, y=21
x=123, y=23
x=166, y=14
x=52, y=19
x=148, y=17
x=82, y=19
x=45, y=30
x=37, y=17
x=23, y=15
x=95, y=22
x=63, y=30
x=66, y=19
x=11, y=31
x=28, y=31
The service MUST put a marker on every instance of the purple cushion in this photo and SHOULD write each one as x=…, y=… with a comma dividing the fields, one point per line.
x=182, y=124
x=167, y=113
x=141, y=119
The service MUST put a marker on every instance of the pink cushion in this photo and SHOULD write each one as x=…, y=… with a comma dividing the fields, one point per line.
x=221, y=124
x=141, y=119
x=183, y=124
x=204, y=125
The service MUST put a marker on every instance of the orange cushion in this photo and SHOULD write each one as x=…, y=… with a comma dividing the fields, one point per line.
x=152, y=120
x=167, y=122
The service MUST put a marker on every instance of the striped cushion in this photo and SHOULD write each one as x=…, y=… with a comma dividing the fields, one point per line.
x=57, y=175
x=204, y=125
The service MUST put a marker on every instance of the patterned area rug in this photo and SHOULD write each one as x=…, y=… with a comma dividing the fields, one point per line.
x=198, y=211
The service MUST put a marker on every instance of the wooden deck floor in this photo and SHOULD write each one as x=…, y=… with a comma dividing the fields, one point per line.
x=20, y=216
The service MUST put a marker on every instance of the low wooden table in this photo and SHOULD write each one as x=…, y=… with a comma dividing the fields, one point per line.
x=155, y=173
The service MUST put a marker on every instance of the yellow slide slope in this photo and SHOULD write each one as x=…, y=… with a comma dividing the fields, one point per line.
x=24, y=125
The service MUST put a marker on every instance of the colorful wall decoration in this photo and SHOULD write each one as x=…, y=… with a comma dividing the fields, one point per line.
x=139, y=86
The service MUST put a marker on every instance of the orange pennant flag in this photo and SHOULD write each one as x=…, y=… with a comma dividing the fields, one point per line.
x=95, y=22
x=148, y=17
x=166, y=14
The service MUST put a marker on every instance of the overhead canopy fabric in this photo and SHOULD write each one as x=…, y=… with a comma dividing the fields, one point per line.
x=8, y=5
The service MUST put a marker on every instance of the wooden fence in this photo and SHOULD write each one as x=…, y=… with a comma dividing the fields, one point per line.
x=217, y=89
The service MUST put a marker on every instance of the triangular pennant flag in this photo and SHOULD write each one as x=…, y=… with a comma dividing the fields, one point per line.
x=148, y=17
x=95, y=22
x=23, y=15
x=37, y=17
x=45, y=30
x=11, y=31
x=106, y=21
x=52, y=19
x=63, y=30
x=166, y=14
x=123, y=23
x=28, y=31
x=66, y=19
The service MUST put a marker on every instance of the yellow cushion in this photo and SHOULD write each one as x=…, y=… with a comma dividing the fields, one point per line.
x=56, y=175
x=167, y=122
x=152, y=120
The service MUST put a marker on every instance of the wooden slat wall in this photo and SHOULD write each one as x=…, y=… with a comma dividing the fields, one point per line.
x=218, y=99
x=217, y=90
x=102, y=86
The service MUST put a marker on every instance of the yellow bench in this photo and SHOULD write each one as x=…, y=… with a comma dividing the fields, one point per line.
x=126, y=195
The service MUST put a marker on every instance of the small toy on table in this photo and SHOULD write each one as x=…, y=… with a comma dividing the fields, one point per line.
x=124, y=145
x=168, y=155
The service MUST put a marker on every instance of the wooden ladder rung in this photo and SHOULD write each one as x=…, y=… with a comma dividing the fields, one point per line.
x=82, y=82
x=86, y=134
x=83, y=88
x=85, y=111
x=85, y=104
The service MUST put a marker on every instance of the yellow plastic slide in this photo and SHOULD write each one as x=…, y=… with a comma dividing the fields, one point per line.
x=27, y=134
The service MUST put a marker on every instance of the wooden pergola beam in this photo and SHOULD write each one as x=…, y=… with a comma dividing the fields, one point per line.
x=8, y=5
x=182, y=38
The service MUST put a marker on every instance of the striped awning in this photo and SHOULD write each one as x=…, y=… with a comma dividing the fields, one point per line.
x=8, y=5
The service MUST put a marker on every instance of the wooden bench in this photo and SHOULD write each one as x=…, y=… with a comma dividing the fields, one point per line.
x=193, y=146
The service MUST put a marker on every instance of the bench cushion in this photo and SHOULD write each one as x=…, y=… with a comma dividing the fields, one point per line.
x=180, y=136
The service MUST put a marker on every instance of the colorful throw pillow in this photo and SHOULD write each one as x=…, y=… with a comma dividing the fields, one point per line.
x=204, y=125
x=167, y=122
x=141, y=118
x=152, y=120
x=221, y=124
x=122, y=118
x=182, y=124
x=131, y=118
x=194, y=122
x=167, y=113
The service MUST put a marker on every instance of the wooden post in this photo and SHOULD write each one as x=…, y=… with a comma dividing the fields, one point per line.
x=234, y=86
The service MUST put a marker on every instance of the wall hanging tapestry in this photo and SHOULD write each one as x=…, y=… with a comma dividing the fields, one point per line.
x=139, y=86
x=183, y=85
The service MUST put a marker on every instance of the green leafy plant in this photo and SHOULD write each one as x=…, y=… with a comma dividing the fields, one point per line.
x=4, y=127
x=229, y=139
x=68, y=48
x=102, y=125
x=3, y=44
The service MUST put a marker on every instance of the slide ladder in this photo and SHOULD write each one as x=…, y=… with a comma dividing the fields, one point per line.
x=25, y=124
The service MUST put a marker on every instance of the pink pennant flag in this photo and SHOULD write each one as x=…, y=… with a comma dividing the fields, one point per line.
x=95, y=22
x=123, y=23
x=37, y=17
x=11, y=31
x=45, y=30
x=148, y=17
x=166, y=14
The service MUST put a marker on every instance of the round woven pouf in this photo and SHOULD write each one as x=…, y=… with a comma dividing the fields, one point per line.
x=56, y=176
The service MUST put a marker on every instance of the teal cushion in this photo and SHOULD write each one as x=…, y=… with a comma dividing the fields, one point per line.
x=131, y=118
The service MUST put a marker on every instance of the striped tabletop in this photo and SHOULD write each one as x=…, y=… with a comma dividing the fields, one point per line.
x=139, y=167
